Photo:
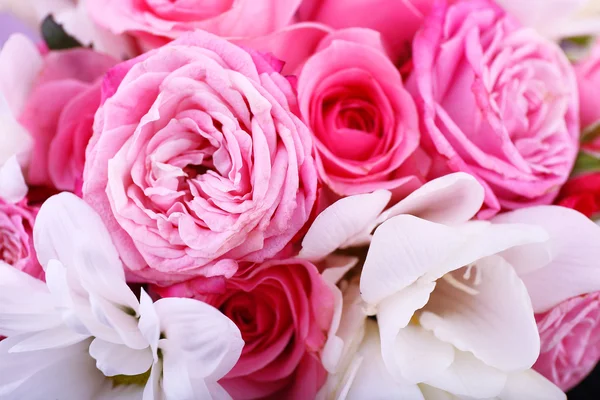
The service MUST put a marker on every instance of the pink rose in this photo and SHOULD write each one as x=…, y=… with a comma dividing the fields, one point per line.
x=59, y=114
x=284, y=310
x=16, y=237
x=588, y=80
x=398, y=20
x=155, y=22
x=198, y=161
x=496, y=101
x=570, y=340
x=364, y=122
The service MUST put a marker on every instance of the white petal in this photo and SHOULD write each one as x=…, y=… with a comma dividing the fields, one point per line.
x=451, y=199
x=116, y=359
x=405, y=248
x=176, y=380
x=341, y=224
x=149, y=323
x=347, y=330
x=467, y=376
x=336, y=266
x=25, y=303
x=68, y=373
x=410, y=353
x=15, y=139
x=54, y=338
x=493, y=319
x=531, y=386
x=431, y=393
x=12, y=184
x=372, y=380
x=567, y=266
x=69, y=230
x=216, y=344
x=19, y=57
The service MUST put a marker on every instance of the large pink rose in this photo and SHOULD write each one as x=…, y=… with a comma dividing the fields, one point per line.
x=16, y=237
x=497, y=101
x=570, y=338
x=59, y=114
x=198, y=161
x=284, y=310
x=397, y=20
x=364, y=122
x=156, y=21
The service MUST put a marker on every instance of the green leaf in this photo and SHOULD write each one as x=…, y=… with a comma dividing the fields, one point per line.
x=56, y=37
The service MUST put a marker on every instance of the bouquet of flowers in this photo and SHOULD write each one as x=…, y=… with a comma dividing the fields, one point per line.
x=299, y=199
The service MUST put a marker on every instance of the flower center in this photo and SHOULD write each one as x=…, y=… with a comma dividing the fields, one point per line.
x=128, y=380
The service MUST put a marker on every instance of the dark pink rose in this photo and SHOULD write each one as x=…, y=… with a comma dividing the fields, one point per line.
x=59, y=114
x=197, y=160
x=16, y=237
x=284, y=310
x=570, y=340
x=497, y=101
x=364, y=121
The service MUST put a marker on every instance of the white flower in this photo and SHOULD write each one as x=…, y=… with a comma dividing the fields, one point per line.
x=454, y=299
x=84, y=334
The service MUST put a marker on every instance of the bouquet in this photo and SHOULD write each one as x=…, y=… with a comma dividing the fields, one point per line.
x=299, y=199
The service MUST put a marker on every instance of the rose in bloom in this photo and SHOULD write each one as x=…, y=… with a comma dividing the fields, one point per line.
x=570, y=335
x=582, y=193
x=588, y=80
x=56, y=107
x=497, y=101
x=284, y=309
x=16, y=221
x=155, y=22
x=364, y=122
x=16, y=240
x=197, y=160
x=398, y=21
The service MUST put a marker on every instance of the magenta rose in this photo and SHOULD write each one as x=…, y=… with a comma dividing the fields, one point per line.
x=59, y=114
x=16, y=237
x=197, y=160
x=497, y=101
x=570, y=340
x=396, y=20
x=364, y=122
x=284, y=311
x=154, y=22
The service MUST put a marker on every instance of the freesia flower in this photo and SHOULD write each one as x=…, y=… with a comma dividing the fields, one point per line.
x=85, y=335
x=433, y=279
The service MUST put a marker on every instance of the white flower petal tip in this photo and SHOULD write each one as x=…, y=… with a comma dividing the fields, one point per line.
x=451, y=199
x=12, y=183
x=567, y=265
x=346, y=222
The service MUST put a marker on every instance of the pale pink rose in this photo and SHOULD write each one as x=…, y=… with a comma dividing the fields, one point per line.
x=588, y=80
x=16, y=237
x=397, y=21
x=284, y=310
x=154, y=22
x=59, y=113
x=497, y=101
x=197, y=160
x=570, y=335
x=364, y=122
